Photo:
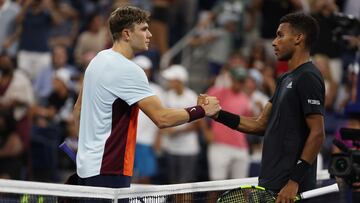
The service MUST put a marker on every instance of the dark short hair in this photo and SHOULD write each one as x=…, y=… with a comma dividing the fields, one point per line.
x=304, y=24
x=124, y=18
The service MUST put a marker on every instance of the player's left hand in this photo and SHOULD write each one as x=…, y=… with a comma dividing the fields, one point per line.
x=288, y=193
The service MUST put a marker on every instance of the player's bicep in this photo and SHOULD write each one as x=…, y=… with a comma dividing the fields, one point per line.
x=315, y=123
x=150, y=105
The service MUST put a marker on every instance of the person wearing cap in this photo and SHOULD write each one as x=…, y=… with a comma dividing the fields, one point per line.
x=253, y=89
x=258, y=100
x=228, y=151
x=181, y=162
x=42, y=84
x=145, y=163
x=50, y=124
x=113, y=91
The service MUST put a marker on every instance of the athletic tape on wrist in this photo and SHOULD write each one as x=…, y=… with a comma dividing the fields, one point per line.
x=195, y=112
x=299, y=171
x=229, y=119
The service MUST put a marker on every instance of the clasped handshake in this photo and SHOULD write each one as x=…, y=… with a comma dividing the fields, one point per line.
x=210, y=104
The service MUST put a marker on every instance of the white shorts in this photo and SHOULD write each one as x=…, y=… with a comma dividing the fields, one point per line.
x=227, y=162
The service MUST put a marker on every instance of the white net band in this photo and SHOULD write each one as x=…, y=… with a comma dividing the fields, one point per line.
x=61, y=190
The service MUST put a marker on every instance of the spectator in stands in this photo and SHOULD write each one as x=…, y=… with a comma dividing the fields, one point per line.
x=16, y=93
x=323, y=11
x=219, y=41
x=145, y=163
x=223, y=79
x=181, y=19
x=269, y=79
x=258, y=100
x=270, y=13
x=50, y=126
x=8, y=12
x=33, y=26
x=85, y=9
x=323, y=64
x=257, y=56
x=94, y=39
x=159, y=26
x=228, y=153
x=253, y=88
x=65, y=33
x=220, y=13
x=43, y=84
x=181, y=162
x=11, y=147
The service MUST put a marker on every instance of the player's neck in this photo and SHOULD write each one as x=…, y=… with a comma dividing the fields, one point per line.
x=123, y=48
x=297, y=59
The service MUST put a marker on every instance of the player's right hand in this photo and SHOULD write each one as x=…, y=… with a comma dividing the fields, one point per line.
x=211, y=106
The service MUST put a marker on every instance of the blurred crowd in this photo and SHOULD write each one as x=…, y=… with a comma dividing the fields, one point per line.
x=46, y=45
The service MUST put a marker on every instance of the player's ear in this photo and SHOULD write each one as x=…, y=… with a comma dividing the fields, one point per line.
x=125, y=34
x=299, y=38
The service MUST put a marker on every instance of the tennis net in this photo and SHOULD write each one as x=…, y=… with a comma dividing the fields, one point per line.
x=35, y=192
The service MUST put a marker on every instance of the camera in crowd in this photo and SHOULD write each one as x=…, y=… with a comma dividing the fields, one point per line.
x=346, y=165
x=345, y=26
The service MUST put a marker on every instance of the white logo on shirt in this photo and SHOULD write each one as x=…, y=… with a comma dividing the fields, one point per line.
x=313, y=101
x=289, y=85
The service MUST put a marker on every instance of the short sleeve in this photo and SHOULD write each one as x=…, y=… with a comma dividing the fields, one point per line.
x=132, y=85
x=311, y=91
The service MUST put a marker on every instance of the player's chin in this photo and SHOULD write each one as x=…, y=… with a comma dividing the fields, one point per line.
x=141, y=49
x=280, y=57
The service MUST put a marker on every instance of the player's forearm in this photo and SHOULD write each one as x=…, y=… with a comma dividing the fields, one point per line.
x=76, y=116
x=313, y=146
x=166, y=117
x=170, y=117
x=77, y=111
x=251, y=126
x=241, y=123
x=315, y=139
x=311, y=149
